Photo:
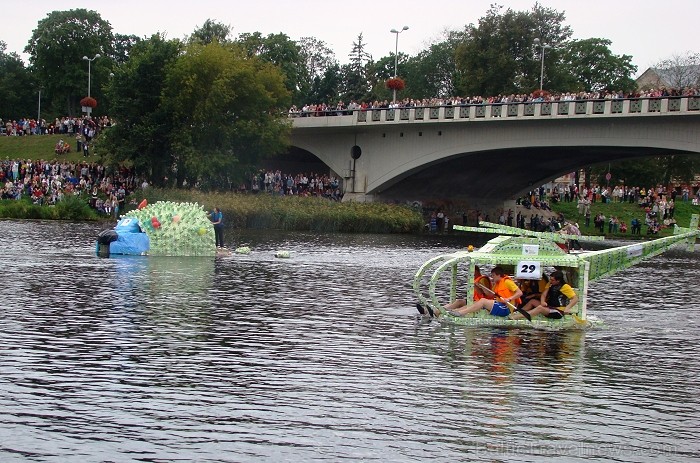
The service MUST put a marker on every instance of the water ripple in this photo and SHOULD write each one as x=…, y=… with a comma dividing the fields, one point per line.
x=321, y=358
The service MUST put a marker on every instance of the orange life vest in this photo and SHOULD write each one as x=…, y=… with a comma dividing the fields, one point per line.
x=502, y=290
x=486, y=283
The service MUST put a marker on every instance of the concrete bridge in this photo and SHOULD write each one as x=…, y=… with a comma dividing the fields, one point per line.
x=488, y=154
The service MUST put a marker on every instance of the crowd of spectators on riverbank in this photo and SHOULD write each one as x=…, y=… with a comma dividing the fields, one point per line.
x=300, y=184
x=47, y=182
x=68, y=125
x=657, y=207
x=340, y=108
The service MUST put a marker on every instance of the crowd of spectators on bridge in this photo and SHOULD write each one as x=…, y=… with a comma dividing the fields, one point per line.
x=48, y=182
x=340, y=108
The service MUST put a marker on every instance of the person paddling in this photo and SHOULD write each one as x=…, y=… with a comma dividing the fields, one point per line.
x=480, y=281
x=557, y=299
x=507, y=296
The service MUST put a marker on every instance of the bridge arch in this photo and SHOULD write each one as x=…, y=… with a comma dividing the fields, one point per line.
x=513, y=146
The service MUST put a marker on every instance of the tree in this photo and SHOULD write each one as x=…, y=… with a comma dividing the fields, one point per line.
x=143, y=124
x=122, y=47
x=316, y=55
x=56, y=50
x=380, y=71
x=18, y=97
x=681, y=70
x=283, y=52
x=590, y=65
x=356, y=85
x=325, y=88
x=433, y=71
x=209, y=32
x=650, y=171
x=227, y=113
x=498, y=55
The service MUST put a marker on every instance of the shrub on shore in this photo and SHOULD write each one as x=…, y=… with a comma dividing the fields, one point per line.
x=297, y=213
x=70, y=208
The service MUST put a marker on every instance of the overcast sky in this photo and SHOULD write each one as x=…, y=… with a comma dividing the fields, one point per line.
x=647, y=30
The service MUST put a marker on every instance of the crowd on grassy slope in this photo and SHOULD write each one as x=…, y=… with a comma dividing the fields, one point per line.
x=68, y=125
x=657, y=204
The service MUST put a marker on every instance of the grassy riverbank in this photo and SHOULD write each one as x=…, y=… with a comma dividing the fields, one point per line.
x=38, y=147
x=625, y=212
x=297, y=213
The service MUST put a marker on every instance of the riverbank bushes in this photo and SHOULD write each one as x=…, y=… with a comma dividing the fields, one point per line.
x=70, y=208
x=297, y=213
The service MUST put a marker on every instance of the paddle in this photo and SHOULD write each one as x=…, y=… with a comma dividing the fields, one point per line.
x=512, y=307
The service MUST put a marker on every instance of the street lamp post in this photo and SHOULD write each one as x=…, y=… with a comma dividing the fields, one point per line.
x=90, y=60
x=396, y=54
x=543, y=47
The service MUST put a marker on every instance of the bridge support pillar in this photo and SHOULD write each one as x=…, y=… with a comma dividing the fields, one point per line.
x=357, y=197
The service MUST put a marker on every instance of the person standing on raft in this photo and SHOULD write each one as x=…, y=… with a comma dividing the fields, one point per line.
x=217, y=219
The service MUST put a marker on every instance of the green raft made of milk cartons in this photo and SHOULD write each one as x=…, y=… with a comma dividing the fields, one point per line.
x=162, y=229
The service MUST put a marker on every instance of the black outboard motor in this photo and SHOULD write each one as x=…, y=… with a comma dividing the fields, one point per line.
x=103, y=239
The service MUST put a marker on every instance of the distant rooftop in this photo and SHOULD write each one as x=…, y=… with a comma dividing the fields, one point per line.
x=675, y=76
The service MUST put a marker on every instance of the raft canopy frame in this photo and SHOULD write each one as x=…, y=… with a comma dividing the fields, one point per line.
x=540, y=250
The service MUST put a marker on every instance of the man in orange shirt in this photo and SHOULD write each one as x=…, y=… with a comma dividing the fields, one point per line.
x=507, y=294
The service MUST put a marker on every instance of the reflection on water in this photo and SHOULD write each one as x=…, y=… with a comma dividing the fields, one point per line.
x=321, y=357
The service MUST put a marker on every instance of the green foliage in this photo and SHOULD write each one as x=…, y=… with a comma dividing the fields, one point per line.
x=226, y=113
x=650, y=171
x=317, y=57
x=210, y=31
x=498, y=54
x=590, y=65
x=299, y=213
x=18, y=93
x=122, y=47
x=325, y=88
x=56, y=50
x=70, y=208
x=142, y=134
x=433, y=71
x=74, y=207
x=357, y=83
x=280, y=50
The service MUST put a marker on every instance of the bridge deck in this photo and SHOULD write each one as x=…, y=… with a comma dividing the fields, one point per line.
x=632, y=107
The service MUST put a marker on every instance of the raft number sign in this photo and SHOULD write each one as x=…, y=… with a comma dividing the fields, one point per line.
x=528, y=270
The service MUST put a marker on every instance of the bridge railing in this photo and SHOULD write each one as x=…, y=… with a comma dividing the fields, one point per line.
x=517, y=110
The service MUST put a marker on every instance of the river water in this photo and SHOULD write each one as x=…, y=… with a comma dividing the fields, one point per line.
x=321, y=358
